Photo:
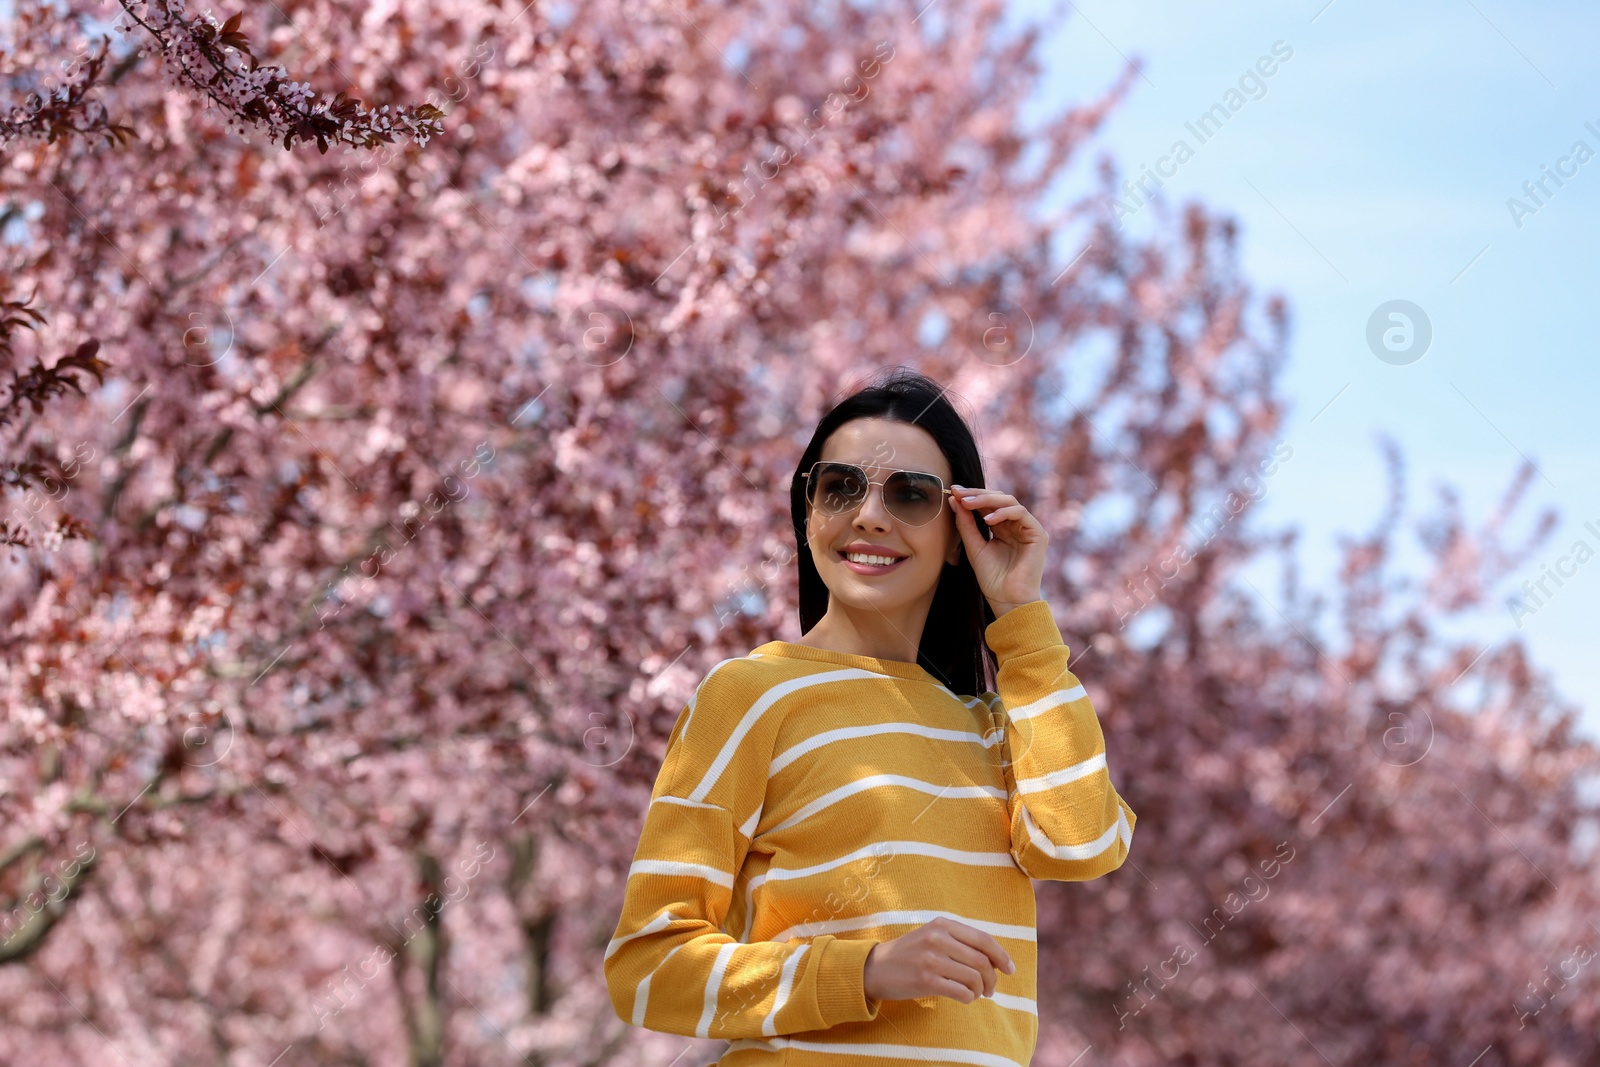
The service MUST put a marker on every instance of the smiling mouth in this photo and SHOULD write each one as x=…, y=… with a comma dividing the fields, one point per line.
x=870, y=568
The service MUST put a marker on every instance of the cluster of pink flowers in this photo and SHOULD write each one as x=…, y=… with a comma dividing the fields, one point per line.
x=214, y=59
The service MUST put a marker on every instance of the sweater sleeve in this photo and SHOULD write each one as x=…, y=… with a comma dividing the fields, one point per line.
x=1067, y=821
x=671, y=966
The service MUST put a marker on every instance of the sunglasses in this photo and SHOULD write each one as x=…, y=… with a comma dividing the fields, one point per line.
x=912, y=497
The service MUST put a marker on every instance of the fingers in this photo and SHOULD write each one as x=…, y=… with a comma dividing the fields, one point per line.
x=996, y=956
x=1004, y=505
x=1015, y=511
x=970, y=968
x=973, y=502
x=967, y=526
x=967, y=983
x=981, y=955
x=981, y=497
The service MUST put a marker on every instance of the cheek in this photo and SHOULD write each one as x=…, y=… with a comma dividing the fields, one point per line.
x=932, y=546
x=821, y=536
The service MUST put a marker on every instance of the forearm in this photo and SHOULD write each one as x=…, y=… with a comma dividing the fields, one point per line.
x=1068, y=822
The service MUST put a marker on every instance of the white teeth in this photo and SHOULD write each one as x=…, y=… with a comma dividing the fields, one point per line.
x=877, y=561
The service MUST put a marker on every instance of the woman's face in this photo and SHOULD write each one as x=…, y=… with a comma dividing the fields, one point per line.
x=882, y=446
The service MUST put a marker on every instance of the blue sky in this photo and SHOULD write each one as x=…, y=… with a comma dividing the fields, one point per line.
x=1376, y=164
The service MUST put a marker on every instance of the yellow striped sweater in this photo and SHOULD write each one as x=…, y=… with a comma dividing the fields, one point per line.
x=814, y=803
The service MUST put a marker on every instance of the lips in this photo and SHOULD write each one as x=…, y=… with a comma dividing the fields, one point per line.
x=870, y=568
x=870, y=550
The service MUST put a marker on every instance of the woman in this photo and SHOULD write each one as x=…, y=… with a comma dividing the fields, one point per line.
x=835, y=865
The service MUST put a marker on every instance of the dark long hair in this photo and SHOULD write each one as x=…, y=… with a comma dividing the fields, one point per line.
x=952, y=648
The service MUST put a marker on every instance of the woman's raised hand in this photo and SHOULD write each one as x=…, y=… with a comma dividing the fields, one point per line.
x=1009, y=566
x=942, y=958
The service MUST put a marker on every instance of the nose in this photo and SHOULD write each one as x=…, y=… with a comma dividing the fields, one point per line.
x=872, y=511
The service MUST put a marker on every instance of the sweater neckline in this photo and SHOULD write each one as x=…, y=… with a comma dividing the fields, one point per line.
x=894, y=668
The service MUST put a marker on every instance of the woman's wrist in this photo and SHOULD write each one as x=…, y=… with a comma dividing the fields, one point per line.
x=1001, y=607
x=866, y=967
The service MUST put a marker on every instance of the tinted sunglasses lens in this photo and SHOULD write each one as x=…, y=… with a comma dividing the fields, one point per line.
x=913, y=498
x=836, y=486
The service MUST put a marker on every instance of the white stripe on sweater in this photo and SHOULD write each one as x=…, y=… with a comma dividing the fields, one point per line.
x=879, y=850
x=695, y=696
x=754, y=713
x=873, y=781
x=1090, y=850
x=699, y=870
x=1063, y=776
x=669, y=799
x=918, y=917
x=874, y=729
x=1014, y=1003
x=1045, y=703
x=660, y=922
x=713, y=984
x=641, y=996
x=919, y=1053
x=769, y=1025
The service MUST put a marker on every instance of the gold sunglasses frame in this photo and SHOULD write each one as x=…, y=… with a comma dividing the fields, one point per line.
x=882, y=485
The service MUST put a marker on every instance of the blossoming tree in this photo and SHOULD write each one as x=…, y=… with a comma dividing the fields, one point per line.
x=403, y=490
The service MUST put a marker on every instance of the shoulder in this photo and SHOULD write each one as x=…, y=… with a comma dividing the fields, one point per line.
x=732, y=690
x=727, y=722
